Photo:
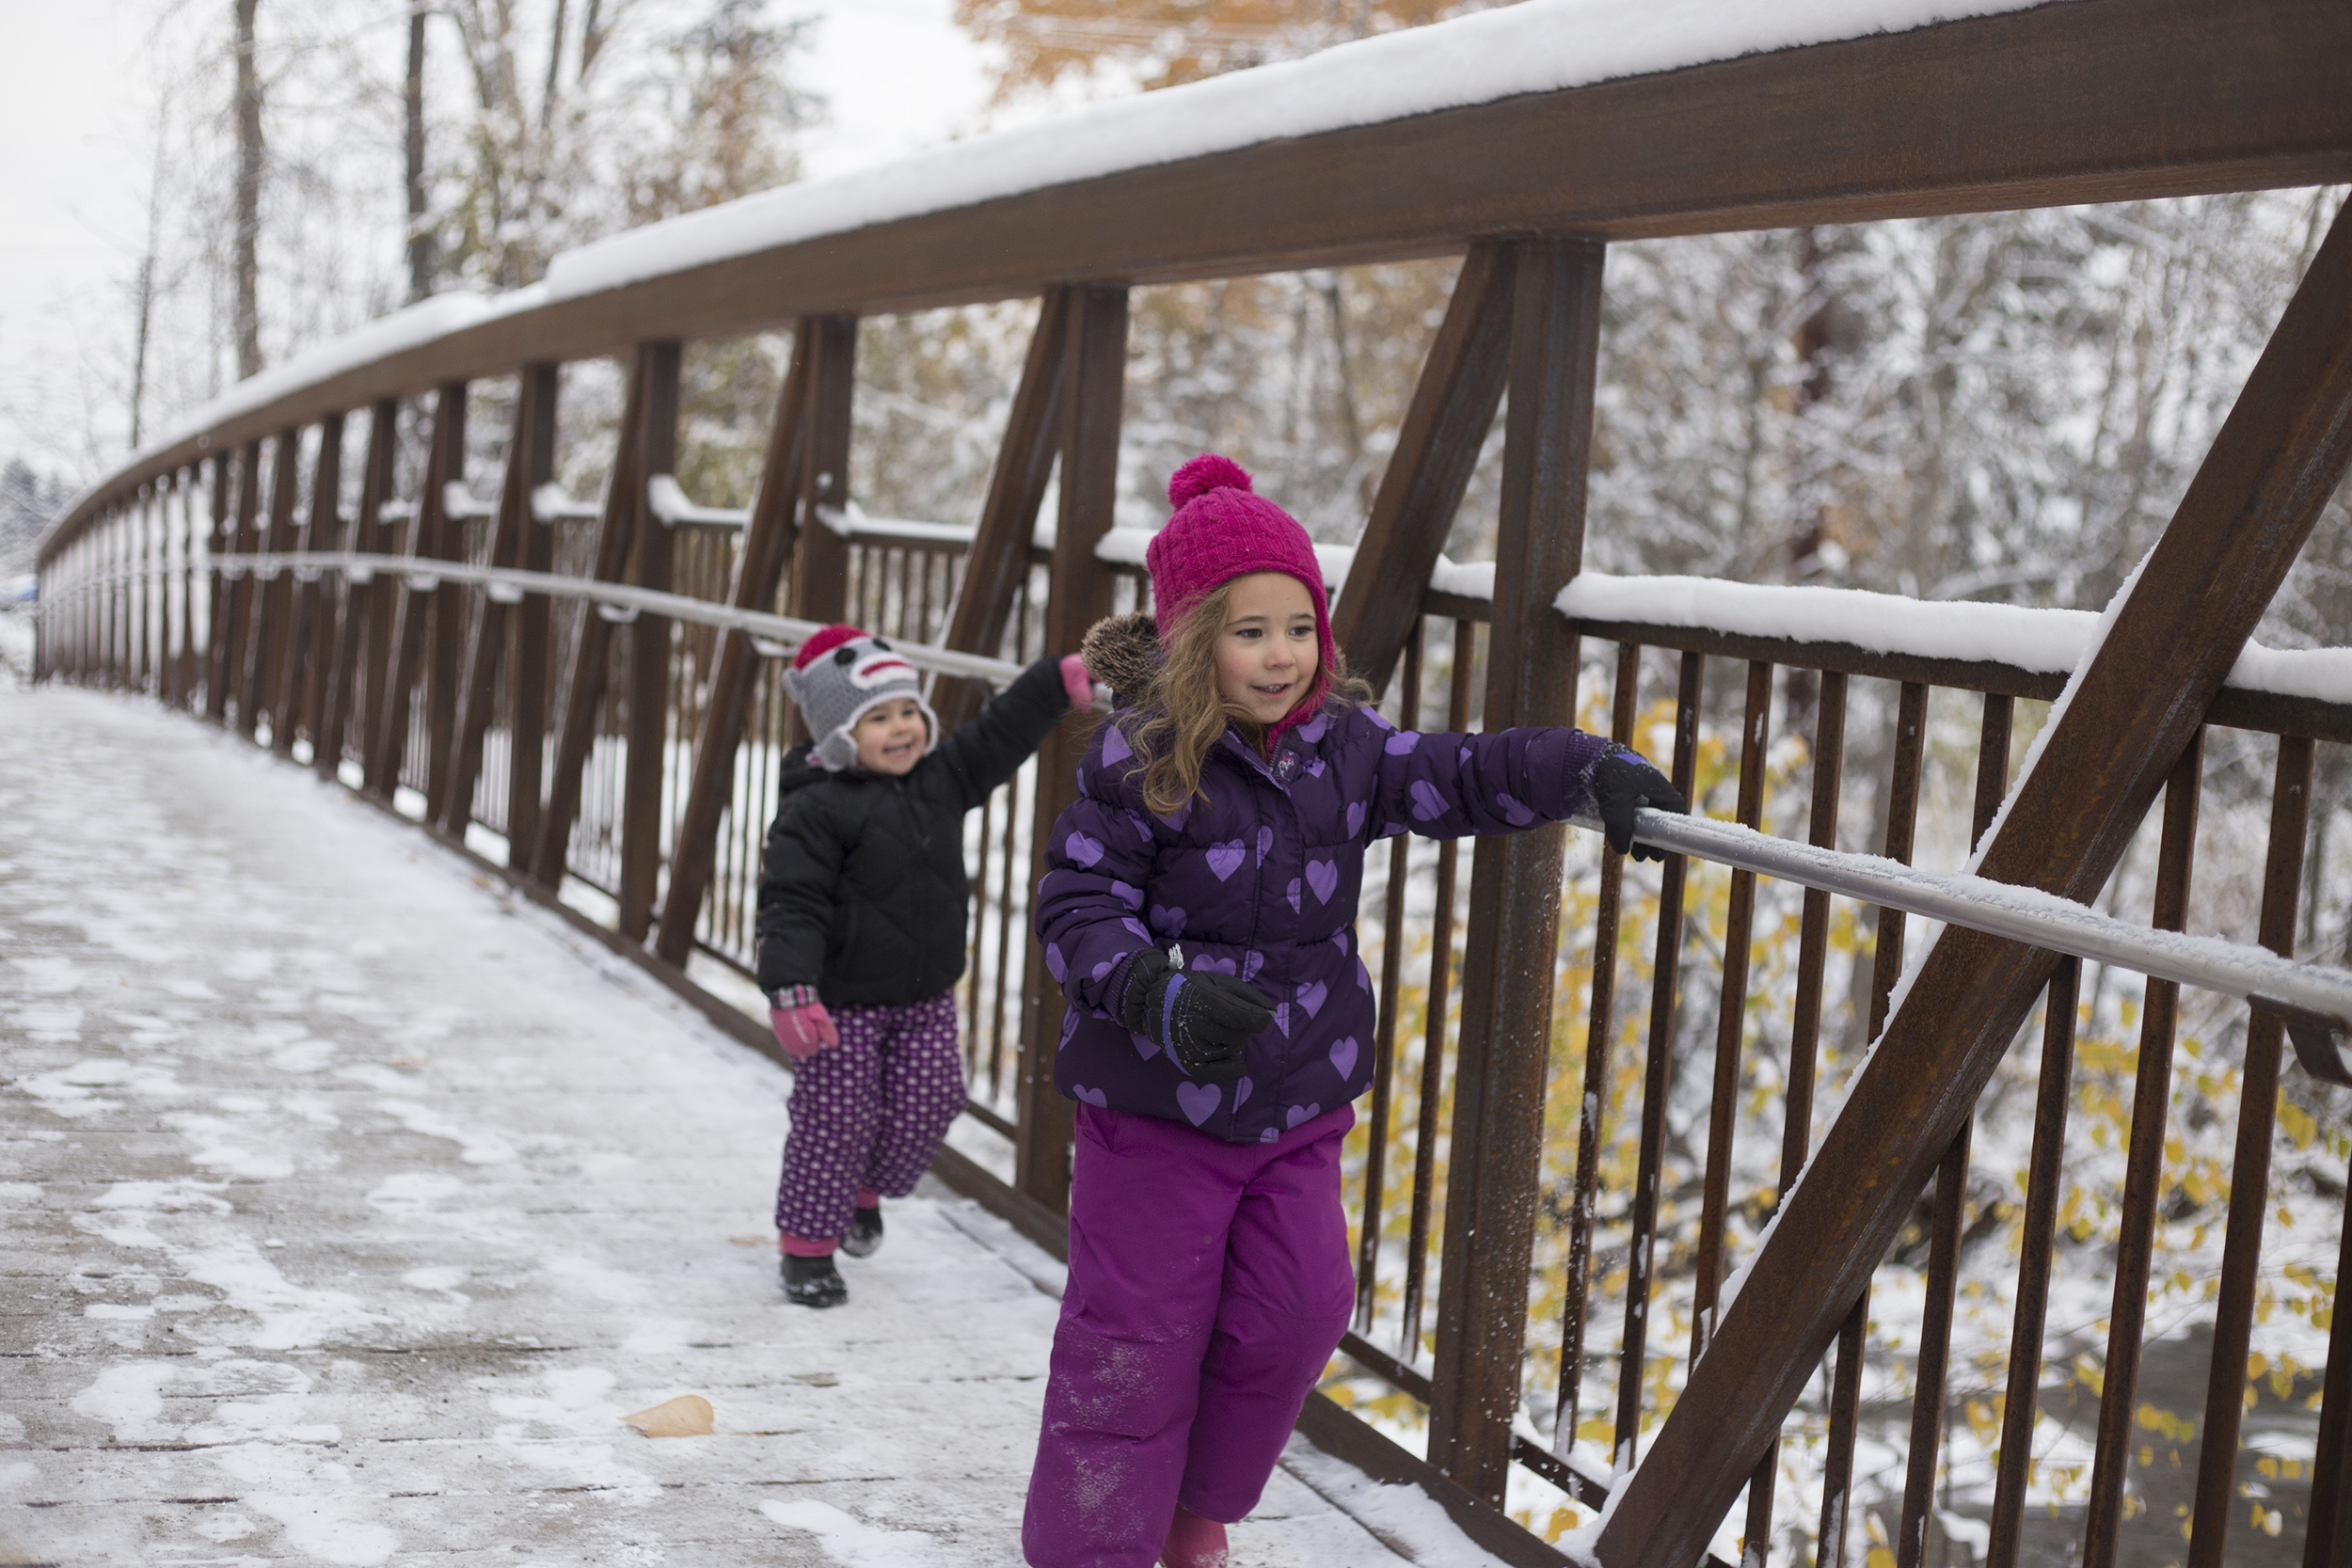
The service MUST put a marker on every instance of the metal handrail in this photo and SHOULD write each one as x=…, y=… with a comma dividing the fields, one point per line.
x=783, y=632
x=2316, y=1000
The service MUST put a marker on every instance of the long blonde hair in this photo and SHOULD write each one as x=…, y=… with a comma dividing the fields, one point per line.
x=1181, y=714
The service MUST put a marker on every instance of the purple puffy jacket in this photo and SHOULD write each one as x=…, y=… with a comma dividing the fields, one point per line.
x=1262, y=881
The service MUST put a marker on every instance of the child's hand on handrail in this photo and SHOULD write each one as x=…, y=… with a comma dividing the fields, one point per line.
x=1623, y=782
x=1202, y=1020
x=801, y=1025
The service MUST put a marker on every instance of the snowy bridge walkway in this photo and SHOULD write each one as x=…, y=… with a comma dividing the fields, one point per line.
x=350, y=1203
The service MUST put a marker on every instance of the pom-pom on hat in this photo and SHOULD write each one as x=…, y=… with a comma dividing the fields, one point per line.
x=1224, y=530
x=840, y=676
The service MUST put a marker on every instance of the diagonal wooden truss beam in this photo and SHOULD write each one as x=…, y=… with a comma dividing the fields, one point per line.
x=999, y=559
x=1437, y=449
x=583, y=695
x=530, y=463
x=759, y=569
x=2184, y=617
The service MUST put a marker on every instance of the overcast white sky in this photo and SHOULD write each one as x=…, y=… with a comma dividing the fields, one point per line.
x=897, y=74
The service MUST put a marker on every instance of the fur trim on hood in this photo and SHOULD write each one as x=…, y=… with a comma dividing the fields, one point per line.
x=1124, y=652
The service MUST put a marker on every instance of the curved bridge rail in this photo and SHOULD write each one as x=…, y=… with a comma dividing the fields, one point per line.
x=440, y=652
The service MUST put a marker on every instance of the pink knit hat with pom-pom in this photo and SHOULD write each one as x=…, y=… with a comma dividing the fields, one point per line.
x=1222, y=530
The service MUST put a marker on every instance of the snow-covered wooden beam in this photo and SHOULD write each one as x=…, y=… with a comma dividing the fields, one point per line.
x=1621, y=118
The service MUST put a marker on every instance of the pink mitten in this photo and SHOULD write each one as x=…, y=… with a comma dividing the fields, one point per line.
x=802, y=1029
x=1075, y=681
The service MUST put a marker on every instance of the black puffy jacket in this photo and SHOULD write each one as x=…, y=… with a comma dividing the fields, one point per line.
x=862, y=892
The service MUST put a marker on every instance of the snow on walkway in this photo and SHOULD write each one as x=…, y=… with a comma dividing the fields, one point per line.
x=348, y=1203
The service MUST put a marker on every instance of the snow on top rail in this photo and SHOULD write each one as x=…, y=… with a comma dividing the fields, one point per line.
x=2053, y=642
x=1540, y=46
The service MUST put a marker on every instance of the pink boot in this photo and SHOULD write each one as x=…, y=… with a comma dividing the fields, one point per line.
x=1193, y=1541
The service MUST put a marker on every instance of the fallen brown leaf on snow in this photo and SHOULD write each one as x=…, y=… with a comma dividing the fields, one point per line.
x=688, y=1415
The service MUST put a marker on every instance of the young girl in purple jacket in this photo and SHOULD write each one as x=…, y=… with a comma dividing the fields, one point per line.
x=1199, y=911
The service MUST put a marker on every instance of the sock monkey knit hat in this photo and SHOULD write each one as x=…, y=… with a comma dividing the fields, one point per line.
x=1223, y=530
x=839, y=676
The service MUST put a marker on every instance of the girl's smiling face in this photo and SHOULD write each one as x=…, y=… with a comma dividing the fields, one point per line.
x=1268, y=652
x=891, y=737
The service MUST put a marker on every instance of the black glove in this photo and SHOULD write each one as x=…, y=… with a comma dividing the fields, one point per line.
x=1623, y=780
x=1201, y=1020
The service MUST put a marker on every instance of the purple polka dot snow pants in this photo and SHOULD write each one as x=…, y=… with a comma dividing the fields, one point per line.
x=1209, y=1285
x=870, y=1112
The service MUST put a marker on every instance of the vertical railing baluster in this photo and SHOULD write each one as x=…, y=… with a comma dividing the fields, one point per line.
x=1600, y=1028
x=2143, y=1172
x=1731, y=1016
x=1384, y=1030
x=1433, y=1035
x=2249, y=1172
x=1950, y=1213
x=1804, y=1040
x=1657, y=1078
x=2328, y=1527
x=1887, y=966
x=2045, y=1171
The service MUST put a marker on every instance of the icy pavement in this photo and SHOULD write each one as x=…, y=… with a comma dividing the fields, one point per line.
x=350, y=1203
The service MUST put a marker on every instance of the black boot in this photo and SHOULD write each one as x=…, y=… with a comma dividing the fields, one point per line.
x=813, y=1281
x=865, y=1234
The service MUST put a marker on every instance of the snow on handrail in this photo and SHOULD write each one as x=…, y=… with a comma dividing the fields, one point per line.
x=780, y=632
x=672, y=505
x=2049, y=641
x=2314, y=999
x=461, y=505
x=552, y=504
x=860, y=529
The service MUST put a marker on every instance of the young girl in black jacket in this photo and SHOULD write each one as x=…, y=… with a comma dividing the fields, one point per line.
x=862, y=903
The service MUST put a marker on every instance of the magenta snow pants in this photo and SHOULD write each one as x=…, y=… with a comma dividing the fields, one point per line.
x=1209, y=1285
x=870, y=1112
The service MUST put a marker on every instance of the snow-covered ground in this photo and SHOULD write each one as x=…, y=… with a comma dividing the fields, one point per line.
x=349, y=1203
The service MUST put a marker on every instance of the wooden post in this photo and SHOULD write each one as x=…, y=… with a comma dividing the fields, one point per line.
x=167, y=659
x=1515, y=882
x=447, y=537
x=216, y=592
x=345, y=651
x=527, y=743
x=234, y=604
x=999, y=560
x=2278, y=458
x=301, y=690
x=821, y=556
x=650, y=656
x=1437, y=449
x=583, y=698
x=530, y=463
x=1095, y=380
x=136, y=595
x=274, y=599
x=758, y=567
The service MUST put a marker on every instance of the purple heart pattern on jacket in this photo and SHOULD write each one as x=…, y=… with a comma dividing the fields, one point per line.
x=1259, y=880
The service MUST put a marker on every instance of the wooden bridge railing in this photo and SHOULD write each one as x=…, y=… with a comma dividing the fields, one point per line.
x=623, y=759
